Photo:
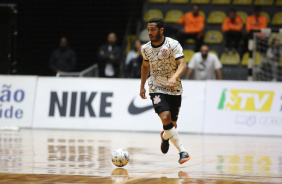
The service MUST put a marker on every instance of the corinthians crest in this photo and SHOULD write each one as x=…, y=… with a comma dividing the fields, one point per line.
x=157, y=99
x=164, y=53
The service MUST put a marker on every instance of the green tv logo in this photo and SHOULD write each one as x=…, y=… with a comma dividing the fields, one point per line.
x=246, y=100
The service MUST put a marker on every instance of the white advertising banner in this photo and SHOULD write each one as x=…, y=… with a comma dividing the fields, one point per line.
x=191, y=116
x=252, y=108
x=108, y=104
x=17, y=100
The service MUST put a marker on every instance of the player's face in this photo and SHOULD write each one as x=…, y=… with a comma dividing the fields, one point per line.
x=154, y=32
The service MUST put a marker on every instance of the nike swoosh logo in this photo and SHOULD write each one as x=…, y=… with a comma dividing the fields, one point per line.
x=132, y=109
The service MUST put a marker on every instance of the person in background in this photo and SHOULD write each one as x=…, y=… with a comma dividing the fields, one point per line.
x=109, y=55
x=133, y=69
x=194, y=24
x=204, y=65
x=256, y=21
x=63, y=59
x=273, y=55
x=232, y=29
x=133, y=66
x=135, y=52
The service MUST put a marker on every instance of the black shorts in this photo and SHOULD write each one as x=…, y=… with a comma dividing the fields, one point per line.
x=164, y=102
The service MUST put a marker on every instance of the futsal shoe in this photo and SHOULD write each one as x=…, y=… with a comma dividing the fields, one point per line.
x=184, y=157
x=164, y=144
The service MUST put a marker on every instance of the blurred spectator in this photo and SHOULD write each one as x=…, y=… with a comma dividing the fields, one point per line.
x=135, y=52
x=63, y=59
x=256, y=21
x=133, y=69
x=134, y=61
x=194, y=24
x=273, y=56
x=232, y=28
x=204, y=65
x=109, y=58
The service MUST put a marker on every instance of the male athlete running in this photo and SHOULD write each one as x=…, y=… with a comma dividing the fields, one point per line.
x=164, y=60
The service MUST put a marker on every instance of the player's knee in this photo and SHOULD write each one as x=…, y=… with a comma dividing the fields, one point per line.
x=166, y=118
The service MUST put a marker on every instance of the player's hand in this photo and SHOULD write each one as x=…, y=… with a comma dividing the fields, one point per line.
x=143, y=93
x=171, y=83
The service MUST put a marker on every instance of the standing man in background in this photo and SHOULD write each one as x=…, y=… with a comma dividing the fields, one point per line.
x=63, y=59
x=232, y=29
x=254, y=23
x=109, y=56
x=204, y=65
x=194, y=24
x=164, y=60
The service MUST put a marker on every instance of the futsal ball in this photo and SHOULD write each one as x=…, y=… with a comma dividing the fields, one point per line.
x=120, y=157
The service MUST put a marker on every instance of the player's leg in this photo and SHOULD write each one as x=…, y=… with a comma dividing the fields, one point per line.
x=165, y=116
x=170, y=133
x=175, y=103
x=162, y=109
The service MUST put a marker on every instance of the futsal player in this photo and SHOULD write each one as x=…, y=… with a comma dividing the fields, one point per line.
x=163, y=58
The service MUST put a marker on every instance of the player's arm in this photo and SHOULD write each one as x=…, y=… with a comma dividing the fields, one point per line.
x=179, y=72
x=145, y=70
x=181, y=68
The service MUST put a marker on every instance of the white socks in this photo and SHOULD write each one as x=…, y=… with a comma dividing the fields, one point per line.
x=172, y=135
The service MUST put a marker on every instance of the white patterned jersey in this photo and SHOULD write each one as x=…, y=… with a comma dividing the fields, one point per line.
x=163, y=65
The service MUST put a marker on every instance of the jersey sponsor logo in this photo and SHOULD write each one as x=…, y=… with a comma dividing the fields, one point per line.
x=132, y=109
x=157, y=99
x=246, y=100
x=164, y=53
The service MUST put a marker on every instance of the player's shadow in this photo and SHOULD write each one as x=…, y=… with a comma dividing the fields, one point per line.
x=119, y=174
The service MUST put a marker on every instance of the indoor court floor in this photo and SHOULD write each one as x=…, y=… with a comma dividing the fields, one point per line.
x=60, y=157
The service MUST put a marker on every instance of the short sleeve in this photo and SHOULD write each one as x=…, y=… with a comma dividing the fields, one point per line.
x=144, y=55
x=217, y=64
x=192, y=62
x=177, y=51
